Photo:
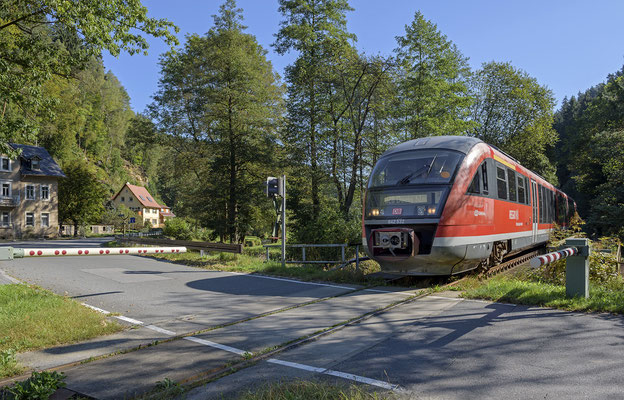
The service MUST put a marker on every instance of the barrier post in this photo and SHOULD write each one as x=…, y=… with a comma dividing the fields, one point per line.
x=577, y=269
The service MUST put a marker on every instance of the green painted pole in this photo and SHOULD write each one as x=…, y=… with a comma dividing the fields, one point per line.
x=577, y=269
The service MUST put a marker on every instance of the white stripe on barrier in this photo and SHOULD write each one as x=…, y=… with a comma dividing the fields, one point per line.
x=552, y=257
x=98, y=251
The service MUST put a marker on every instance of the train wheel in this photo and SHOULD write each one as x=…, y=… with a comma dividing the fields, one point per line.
x=495, y=258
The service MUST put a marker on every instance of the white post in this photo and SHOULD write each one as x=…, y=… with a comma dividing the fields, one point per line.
x=283, y=220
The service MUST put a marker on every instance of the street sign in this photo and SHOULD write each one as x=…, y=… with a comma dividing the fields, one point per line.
x=132, y=220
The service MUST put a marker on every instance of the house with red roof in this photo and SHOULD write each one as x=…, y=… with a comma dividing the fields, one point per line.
x=139, y=200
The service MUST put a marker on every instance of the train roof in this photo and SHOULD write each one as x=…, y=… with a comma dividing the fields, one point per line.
x=462, y=144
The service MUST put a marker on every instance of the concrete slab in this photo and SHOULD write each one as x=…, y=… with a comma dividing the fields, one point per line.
x=272, y=330
x=449, y=348
x=131, y=374
x=103, y=345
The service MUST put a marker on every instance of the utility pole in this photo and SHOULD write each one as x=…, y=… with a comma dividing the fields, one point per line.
x=283, y=194
x=276, y=187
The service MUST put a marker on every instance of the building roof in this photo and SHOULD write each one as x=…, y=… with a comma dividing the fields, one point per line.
x=144, y=197
x=167, y=214
x=47, y=165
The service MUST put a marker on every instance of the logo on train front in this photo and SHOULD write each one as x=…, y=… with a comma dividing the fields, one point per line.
x=397, y=211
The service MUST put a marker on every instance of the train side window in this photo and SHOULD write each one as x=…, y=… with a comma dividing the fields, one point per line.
x=475, y=185
x=485, y=178
x=540, y=196
x=501, y=183
x=511, y=175
x=521, y=190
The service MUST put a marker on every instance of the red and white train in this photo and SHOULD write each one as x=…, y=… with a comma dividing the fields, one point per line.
x=447, y=204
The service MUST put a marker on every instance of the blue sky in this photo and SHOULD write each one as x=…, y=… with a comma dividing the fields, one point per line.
x=566, y=45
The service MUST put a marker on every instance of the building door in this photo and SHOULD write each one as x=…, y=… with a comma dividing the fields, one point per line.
x=535, y=210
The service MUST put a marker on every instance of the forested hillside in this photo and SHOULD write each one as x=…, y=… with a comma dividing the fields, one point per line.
x=223, y=119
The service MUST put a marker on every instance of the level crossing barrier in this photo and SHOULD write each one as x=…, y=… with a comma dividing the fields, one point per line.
x=236, y=248
x=9, y=253
x=576, y=253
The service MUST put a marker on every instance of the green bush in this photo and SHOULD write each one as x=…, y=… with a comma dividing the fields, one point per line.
x=178, y=228
x=40, y=386
x=603, y=268
x=251, y=241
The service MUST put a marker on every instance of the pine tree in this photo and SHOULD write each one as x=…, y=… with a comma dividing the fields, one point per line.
x=433, y=93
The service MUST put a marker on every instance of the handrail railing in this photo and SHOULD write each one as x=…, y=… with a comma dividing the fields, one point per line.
x=303, y=247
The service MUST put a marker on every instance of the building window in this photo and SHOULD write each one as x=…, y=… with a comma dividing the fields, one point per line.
x=34, y=163
x=123, y=198
x=30, y=192
x=45, y=220
x=5, y=219
x=45, y=192
x=30, y=219
x=129, y=198
x=154, y=222
x=6, y=189
x=5, y=164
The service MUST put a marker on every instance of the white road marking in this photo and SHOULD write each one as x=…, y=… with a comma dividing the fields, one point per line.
x=96, y=309
x=344, y=375
x=387, y=291
x=161, y=330
x=362, y=379
x=216, y=345
x=472, y=300
x=297, y=365
x=292, y=280
x=130, y=320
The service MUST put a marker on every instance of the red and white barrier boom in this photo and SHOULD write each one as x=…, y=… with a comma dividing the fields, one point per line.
x=9, y=253
x=552, y=257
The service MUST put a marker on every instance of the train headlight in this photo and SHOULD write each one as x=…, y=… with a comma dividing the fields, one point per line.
x=431, y=210
x=375, y=212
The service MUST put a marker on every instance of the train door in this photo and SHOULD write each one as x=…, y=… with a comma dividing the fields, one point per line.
x=534, y=205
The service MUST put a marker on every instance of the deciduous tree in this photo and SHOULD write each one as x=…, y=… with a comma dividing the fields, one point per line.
x=515, y=113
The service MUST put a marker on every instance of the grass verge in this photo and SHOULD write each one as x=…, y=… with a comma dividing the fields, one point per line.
x=307, y=390
x=605, y=297
x=33, y=318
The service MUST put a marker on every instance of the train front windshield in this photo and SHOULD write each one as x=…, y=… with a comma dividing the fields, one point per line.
x=411, y=184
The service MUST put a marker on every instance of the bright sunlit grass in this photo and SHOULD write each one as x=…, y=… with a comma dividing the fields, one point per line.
x=33, y=318
x=608, y=297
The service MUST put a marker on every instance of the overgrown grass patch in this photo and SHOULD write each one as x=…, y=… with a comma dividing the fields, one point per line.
x=308, y=390
x=606, y=297
x=33, y=318
x=253, y=264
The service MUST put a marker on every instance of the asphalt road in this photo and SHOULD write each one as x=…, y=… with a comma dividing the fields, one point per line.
x=435, y=347
x=173, y=296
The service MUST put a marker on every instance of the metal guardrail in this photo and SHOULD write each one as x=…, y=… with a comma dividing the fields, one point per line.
x=303, y=247
x=201, y=246
x=143, y=234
